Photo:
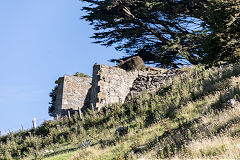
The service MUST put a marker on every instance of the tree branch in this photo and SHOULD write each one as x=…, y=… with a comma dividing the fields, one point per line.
x=128, y=12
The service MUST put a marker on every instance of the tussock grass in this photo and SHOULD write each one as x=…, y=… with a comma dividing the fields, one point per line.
x=215, y=147
x=189, y=117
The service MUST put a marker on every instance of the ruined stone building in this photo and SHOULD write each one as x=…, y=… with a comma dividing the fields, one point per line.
x=108, y=85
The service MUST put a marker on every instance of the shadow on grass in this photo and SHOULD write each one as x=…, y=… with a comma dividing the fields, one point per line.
x=222, y=103
x=66, y=151
x=217, y=82
x=61, y=152
x=171, y=141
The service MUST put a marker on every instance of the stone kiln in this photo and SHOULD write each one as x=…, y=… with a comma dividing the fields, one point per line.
x=109, y=84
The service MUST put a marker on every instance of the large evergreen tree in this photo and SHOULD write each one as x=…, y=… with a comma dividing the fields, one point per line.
x=223, y=41
x=165, y=32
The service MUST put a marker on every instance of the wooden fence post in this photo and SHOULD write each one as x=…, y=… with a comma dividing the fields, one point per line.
x=34, y=123
x=120, y=101
x=80, y=113
x=69, y=116
x=93, y=108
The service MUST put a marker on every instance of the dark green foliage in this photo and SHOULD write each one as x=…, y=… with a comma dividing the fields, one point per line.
x=157, y=31
x=81, y=75
x=168, y=33
x=222, y=20
x=52, y=107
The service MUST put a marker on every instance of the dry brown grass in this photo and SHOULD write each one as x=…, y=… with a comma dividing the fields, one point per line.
x=226, y=121
x=217, y=147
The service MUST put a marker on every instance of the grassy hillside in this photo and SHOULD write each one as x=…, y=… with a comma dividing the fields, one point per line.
x=195, y=116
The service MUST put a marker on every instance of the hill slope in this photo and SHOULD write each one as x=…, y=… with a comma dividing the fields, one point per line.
x=195, y=116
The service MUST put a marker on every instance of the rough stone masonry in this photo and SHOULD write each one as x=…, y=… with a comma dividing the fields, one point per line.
x=108, y=85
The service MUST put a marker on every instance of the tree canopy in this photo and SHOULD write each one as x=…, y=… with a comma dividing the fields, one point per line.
x=223, y=41
x=168, y=33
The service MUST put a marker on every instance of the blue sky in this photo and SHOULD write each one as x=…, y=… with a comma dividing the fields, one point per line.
x=40, y=41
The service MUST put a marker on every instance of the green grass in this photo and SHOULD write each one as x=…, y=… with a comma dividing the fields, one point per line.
x=189, y=117
x=63, y=156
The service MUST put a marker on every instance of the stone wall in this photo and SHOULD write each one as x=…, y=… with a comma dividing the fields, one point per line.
x=110, y=85
x=59, y=95
x=74, y=92
x=151, y=81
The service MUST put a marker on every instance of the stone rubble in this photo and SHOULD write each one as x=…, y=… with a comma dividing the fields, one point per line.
x=152, y=81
